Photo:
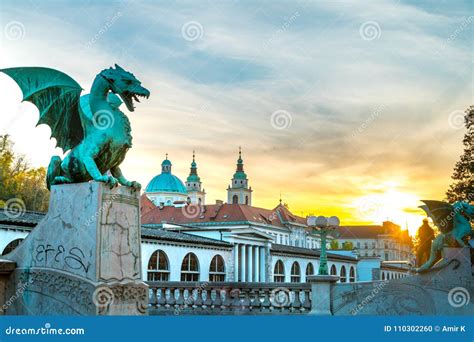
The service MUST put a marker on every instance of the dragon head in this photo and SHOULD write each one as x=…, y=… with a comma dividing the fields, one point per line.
x=125, y=85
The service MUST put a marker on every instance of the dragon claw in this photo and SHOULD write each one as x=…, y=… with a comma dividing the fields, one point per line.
x=112, y=181
x=134, y=185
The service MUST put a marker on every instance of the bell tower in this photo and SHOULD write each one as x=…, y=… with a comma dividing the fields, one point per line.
x=239, y=191
x=196, y=194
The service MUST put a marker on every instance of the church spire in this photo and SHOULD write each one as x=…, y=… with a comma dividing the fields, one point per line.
x=239, y=172
x=194, y=185
x=193, y=175
x=239, y=191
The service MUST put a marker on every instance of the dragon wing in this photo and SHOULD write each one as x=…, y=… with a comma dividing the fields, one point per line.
x=442, y=214
x=57, y=97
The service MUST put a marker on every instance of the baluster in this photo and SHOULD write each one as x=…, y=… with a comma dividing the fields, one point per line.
x=227, y=303
x=152, y=296
x=180, y=300
x=198, y=302
x=171, y=300
x=208, y=301
x=218, y=300
x=307, y=300
x=266, y=303
x=255, y=300
x=161, y=297
x=235, y=294
x=296, y=304
x=245, y=300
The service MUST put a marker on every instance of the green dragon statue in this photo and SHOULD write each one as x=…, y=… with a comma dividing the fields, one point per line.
x=454, y=223
x=91, y=127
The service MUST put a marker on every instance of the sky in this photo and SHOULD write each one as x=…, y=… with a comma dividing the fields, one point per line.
x=345, y=108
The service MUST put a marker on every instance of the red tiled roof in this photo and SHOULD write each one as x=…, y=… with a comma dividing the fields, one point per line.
x=220, y=213
x=360, y=232
x=146, y=204
x=372, y=231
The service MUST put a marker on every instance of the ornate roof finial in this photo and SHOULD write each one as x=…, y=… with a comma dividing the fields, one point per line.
x=166, y=155
x=194, y=154
x=280, y=198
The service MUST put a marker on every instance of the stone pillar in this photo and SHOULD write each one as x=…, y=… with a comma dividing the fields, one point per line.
x=262, y=265
x=243, y=257
x=256, y=264
x=84, y=257
x=236, y=262
x=321, y=294
x=250, y=262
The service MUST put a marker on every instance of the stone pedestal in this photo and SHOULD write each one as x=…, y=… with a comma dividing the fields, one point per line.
x=321, y=293
x=83, y=258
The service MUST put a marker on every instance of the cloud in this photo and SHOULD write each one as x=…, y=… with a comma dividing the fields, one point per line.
x=362, y=111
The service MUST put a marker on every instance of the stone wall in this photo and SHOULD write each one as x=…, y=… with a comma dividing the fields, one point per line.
x=83, y=257
x=447, y=289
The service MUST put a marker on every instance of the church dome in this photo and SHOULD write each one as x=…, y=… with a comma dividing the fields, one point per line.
x=166, y=182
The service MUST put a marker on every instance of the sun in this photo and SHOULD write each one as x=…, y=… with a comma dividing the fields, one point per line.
x=390, y=205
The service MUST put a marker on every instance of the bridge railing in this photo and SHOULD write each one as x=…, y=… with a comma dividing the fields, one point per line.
x=232, y=298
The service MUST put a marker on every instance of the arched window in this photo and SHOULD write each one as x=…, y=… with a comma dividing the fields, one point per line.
x=190, y=268
x=235, y=199
x=279, y=272
x=158, y=267
x=383, y=275
x=309, y=270
x=295, y=273
x=352, y=274
x=343, y=274
x=246, y=200
x=217, y=269
x=333, y=270
x=11, y=246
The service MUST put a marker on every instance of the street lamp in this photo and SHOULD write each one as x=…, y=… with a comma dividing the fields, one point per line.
x=323, y=226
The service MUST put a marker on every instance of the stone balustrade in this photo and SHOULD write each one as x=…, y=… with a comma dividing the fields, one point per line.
x=233, y=298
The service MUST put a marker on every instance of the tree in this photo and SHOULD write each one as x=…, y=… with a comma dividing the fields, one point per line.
x=462, y=188
x=19, y=182
x=334, y=244
x=348, y=246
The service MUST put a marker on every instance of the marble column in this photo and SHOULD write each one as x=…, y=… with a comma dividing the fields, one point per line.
x=256, y=264
x=263, y=277
x=236, y=262
x=243, y=261
x=250, y=263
